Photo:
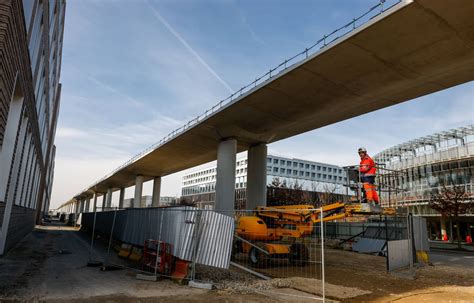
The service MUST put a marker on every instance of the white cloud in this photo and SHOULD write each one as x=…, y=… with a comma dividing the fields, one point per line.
x=67, y=132
x=130, y=100
x=114, y=140
x=189, y=48
x=72, y=176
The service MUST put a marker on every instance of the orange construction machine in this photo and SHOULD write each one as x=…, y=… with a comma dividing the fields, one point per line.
x=260, y=236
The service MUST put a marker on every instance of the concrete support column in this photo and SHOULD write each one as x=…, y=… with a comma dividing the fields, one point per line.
x=94, y=207
x=138, y=191
x=156, y=192
x=225, y=179
x=104, y=201
x=109, y=198
x=16, y=167
x=76, y=211
x=257, y=176
x=88, y=205
x=25, y=165
x=7, y=151
x=8, y=147
x=121, y=197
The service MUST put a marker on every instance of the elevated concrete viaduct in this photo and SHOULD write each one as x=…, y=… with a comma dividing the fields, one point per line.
x=413, y=49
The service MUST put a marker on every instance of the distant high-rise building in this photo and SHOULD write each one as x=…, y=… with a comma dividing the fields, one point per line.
x=31, y=39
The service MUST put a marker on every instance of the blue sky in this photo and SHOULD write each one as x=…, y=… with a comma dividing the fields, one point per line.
x=134, y=70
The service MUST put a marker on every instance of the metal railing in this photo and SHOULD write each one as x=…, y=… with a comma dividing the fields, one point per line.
x=460, y=152
x=384, y=184
x=326, y=40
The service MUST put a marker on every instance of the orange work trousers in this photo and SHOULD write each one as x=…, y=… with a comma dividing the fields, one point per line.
x=371, y=192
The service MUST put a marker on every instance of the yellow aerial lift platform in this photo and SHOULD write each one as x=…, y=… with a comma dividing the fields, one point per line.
x=272, y=224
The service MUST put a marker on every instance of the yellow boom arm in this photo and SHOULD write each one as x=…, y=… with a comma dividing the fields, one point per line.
x=307, y=213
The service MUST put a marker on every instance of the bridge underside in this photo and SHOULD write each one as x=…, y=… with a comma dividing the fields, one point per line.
x=414, y=49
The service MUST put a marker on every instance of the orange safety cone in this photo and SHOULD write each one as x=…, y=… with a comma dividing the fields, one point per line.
x=445, y=237
x=468, y=239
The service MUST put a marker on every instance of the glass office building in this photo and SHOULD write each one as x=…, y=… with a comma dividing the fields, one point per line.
x=422, y=167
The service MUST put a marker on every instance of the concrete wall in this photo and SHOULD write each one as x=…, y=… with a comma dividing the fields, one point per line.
x=26, y=142
x=21, y=223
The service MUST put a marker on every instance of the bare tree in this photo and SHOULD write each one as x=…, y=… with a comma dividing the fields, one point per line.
x=277, y=192
x=186, y=202
x=329, y=193
x=451, y=202
x=315, y=186
x=281, y=193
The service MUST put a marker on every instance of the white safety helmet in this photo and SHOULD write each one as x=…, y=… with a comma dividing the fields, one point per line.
x=362, y=150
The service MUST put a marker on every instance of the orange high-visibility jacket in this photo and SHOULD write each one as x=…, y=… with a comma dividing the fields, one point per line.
x=367, y=166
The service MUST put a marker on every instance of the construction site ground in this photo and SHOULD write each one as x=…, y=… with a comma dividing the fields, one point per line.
x=49, y=265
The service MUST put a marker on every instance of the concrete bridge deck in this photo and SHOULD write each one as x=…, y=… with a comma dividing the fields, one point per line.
x=413, y=49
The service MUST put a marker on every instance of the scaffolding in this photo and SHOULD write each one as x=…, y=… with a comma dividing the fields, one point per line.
x=422, y=166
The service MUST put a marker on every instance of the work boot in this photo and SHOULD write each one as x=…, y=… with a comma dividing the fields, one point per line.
x=375, y=207
x=365, y=208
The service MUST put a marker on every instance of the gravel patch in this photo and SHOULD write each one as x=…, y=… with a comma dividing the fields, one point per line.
x=239, y=282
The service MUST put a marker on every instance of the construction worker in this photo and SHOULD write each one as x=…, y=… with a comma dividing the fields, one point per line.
x=367, y=172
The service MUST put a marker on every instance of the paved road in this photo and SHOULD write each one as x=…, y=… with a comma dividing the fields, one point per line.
x=452, y=258
x=441, y=245
x=50, y=264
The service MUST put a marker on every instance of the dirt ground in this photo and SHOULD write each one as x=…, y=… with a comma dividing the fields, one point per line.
x=354, y=277
x=442, y=283
x=49, y=265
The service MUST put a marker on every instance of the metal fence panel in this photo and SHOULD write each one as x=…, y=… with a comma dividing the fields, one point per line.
x=420, y=234
x=396, y=229
x=368, y=245
x=215, y=244
x=205, y=235
x=398, y=254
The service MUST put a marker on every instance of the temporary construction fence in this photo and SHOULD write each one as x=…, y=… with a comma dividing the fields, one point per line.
x=402, y=238
x=375, y=227
x=201, y=237
x=200, y=243
x=282, y=243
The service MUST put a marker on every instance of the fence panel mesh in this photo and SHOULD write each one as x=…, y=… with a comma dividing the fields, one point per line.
x=188, y=243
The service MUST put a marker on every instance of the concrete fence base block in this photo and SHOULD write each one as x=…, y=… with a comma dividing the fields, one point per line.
x=200, y=285
x=146, y=277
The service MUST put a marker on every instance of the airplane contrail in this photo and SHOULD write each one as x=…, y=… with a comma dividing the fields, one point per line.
x=189, y=48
